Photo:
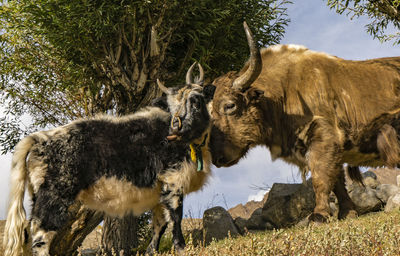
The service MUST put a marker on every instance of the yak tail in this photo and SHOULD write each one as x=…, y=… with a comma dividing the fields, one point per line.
x=15, y=224
x=355, y=174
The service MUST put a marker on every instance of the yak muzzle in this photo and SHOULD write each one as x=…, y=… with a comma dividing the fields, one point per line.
x=176, y=126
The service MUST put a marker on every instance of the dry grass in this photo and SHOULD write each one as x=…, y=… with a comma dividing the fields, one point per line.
x=373, y=234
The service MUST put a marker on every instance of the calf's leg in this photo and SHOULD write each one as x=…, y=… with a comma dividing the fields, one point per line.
x=41, y=238
x=49, y=214
x=159, y=226
x=172, y=199
x=176, y=217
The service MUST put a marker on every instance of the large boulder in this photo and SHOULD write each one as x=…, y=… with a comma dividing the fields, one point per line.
x=370, y=174
x=393, y=203
x=371, y=182
x=287, y=204
x=365, y=199
x=384, y=191
x=217, y=223
x=89, y=252
x=370, y=179
x=256, y=221
x=241, y=223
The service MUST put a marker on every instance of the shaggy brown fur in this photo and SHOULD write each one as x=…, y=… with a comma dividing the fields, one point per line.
x=314, y=110
x=388, y=145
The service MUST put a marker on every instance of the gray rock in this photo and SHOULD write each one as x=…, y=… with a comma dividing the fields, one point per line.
x=371, y=182
x=351, y=187
x=241, y=225
x=89, y=252
x=398, y=180
x=303, y=223
x=287, y=204
x=365, y=199
x=393, y=203
x=256, y=220
x=197, y=236
x=268, y=226
x=384, y=191
x=254, y=223
x=217, y=222
x=369, y=174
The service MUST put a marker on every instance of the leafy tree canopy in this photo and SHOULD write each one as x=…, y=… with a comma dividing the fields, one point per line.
x=382, y=13
x=65, y=59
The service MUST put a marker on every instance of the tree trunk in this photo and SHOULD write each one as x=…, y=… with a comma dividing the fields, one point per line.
x=71, y=236
x=120, y=235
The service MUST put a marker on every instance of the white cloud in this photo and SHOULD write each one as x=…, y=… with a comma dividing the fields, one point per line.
x=257, y=197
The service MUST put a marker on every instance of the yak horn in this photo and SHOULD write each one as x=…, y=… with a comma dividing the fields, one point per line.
x=243, y=82
x=162, y=86
x=189, y=74
x=200, y=80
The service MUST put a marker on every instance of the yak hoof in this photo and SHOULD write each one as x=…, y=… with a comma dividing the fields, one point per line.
x=150, y=251
x=179, y=250
x=317, y=218
x=348, y=214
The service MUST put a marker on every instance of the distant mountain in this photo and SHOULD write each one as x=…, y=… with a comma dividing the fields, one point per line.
x=386, y=175
x=247, y=209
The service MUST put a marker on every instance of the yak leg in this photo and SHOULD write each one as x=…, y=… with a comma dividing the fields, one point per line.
x=324, y=177
x=172, y=199
x=49, y=214
x=159, y=226
x=41, y=239
x=176, y=217
x=346, y=206
x=324, y=155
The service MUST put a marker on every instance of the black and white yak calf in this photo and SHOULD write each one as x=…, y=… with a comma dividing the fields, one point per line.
x=145, y=161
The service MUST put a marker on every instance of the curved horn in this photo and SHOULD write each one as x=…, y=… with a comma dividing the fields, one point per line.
x=189, y=74
x=162, y=87
x=200, y=80
x=243, y=82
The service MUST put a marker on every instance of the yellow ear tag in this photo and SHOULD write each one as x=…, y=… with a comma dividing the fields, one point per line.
x=193, y=153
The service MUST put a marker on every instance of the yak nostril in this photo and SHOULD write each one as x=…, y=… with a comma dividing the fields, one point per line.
x=176, y=123
x=220, y=161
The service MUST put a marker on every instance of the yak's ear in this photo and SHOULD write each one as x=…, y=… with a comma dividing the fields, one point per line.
x=160, y=102
x=208, y=91
x=254, y=94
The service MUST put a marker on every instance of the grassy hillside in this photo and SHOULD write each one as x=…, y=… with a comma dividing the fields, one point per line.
x=373, y=234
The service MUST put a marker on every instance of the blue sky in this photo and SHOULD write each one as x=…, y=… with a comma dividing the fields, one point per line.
x=313, y=25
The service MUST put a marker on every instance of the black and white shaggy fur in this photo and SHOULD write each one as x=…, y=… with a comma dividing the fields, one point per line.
x=117, y=165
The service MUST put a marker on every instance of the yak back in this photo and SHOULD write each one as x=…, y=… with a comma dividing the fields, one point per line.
x=133, y=149
x=308, y=84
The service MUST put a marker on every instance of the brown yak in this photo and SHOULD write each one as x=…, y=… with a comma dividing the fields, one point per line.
x=311, y=109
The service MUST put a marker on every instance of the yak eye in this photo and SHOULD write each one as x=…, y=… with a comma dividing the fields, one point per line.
x=229, y=108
